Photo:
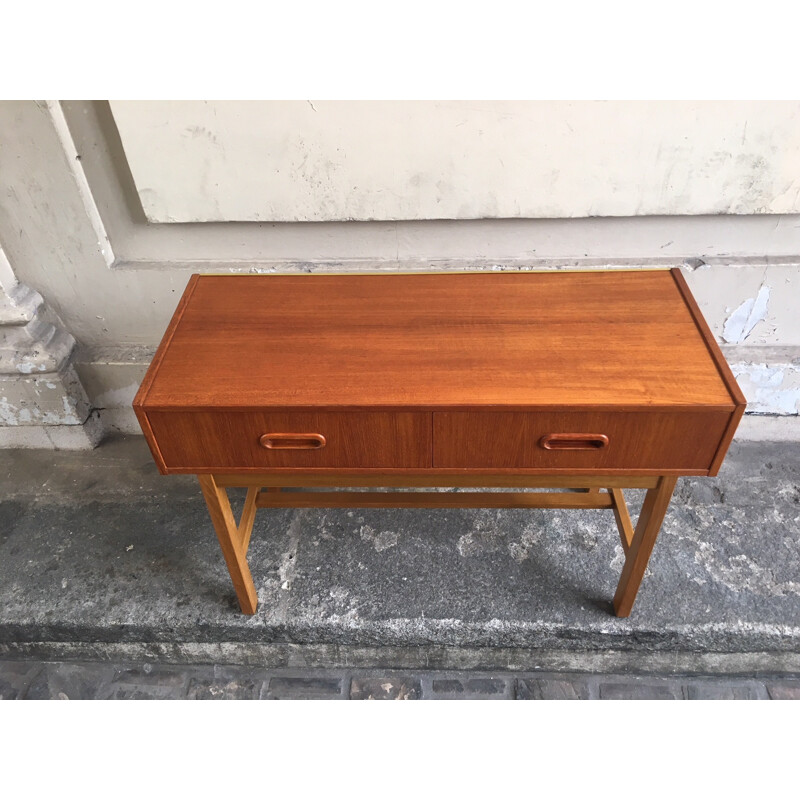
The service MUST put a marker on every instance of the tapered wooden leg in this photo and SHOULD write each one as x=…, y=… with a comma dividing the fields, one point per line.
x=654, y=509
x=230, y=541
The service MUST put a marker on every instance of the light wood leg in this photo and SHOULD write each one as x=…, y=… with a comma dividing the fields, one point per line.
x=637, y=544
x=623, y=519
x=234, y=548
x=248, y=518
x=654, y=509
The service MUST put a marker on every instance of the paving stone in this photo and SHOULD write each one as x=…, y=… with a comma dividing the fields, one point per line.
x=148, y=674
x=15, y=677
x=487, y=686
x=640, y=691
x=225, y=684
x=447, y=686
x=138, y=693
x=280, y=688
x=708, y=690
x=552, y=689
x=472, y=688
x=67, y=682
x=147, y=682
x=385, y=689
x=8, y=691
x=784, y=690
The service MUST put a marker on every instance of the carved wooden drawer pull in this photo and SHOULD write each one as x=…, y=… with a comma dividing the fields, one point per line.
x=574, y=441
x=292, y=441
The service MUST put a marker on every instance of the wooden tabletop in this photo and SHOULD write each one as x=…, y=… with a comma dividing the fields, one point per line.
x=622, y=339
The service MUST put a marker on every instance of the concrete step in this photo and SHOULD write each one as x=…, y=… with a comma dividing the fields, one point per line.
x=101, y=557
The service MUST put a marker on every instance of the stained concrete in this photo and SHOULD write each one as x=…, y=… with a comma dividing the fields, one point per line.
x=101, y=555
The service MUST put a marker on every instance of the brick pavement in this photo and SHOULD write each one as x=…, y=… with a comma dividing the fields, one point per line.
x=42, y=680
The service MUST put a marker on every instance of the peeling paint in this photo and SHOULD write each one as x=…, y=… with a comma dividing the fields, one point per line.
x=69, y=410
x=741, y=322
x=693, y=264
x=769, y=389
x=786, y=401
x=52, y=400
x=762, y=375
x=8, y=414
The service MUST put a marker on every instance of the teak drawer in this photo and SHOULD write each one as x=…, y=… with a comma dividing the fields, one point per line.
x=577, y=440
x=207, y=440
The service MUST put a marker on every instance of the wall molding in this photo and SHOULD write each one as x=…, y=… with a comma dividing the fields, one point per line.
x=76, y=168
x=527, y=264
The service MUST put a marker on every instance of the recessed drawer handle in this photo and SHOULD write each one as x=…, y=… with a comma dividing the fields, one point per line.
x=292, y=441
x=574, y=441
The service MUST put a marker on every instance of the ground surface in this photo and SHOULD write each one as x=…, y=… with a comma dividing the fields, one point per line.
x=103, y=559
x=33, y=680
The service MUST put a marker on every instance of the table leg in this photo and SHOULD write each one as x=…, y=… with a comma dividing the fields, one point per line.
x=248, y=518
x=654, y=509
x=232, y=542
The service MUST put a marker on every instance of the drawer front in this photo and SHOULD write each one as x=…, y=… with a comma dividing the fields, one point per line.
x=575, y=440
x=231, y=440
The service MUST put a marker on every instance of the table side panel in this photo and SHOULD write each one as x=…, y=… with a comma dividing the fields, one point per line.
x=737, y=395
x=152, y=371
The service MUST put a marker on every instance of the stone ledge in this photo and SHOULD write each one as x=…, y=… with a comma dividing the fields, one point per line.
x=84, y=436
x=99, y=553
x=282, y=655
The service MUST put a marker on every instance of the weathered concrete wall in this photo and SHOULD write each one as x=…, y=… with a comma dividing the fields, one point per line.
x=395, y=160
x=75, y=231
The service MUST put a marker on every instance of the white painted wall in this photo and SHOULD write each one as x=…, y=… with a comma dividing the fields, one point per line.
x=73, y=229
x=419, y=160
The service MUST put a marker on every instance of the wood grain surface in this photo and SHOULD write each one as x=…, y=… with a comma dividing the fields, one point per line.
x=203, y=440
x=395, y=499
x=616, y=339
x=722, y=365
x=440, y=371
x=646, y=440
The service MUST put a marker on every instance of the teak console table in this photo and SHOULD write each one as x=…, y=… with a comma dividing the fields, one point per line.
x=594, y=381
